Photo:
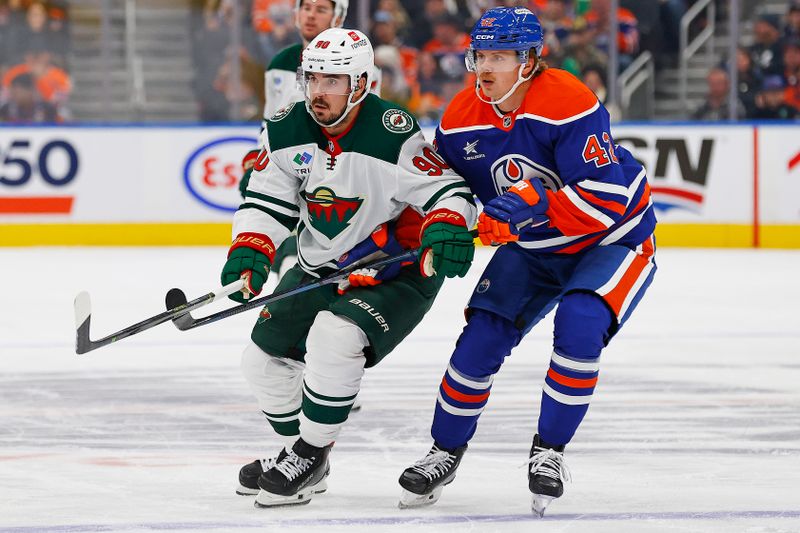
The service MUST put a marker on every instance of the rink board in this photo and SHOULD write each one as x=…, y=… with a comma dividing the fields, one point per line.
x=713, y=185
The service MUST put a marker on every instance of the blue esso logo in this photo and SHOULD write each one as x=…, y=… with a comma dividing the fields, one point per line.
x=213, y=171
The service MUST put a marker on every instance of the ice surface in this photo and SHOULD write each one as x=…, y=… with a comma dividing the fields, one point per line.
x=695, y=425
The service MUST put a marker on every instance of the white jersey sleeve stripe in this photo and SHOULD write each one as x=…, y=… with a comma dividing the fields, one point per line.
x=587, y=208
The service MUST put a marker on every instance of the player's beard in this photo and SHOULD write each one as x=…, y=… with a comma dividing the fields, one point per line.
x=321, y=101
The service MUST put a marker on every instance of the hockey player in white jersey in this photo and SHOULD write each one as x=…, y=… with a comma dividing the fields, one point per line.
x=283, y=86
x=348, y=170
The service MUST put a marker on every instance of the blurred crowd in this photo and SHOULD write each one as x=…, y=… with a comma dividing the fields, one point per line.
x=768, y=73
x=422, y=60
x=34, y=48
x=419, y=48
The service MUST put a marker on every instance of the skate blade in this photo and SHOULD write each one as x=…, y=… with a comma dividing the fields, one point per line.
x=540, y=503
x=267, y=499
x=241, y=490
x=409, y=500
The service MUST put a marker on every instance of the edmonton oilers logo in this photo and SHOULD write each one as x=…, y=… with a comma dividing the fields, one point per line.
x=512, y=168
x=483, y=286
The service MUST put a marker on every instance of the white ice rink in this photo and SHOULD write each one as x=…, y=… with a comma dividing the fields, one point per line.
x=695, y=424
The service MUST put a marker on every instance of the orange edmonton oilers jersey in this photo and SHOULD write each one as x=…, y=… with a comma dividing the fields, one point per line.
x=597, y=192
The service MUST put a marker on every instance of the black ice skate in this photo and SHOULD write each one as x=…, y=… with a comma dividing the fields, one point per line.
x=249, y=474
x=295, y=477
x=424, y=481
x=547, y=474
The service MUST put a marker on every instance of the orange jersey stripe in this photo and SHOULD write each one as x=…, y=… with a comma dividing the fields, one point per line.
x=461, y=397
x=568, y=219
x=616, y=297
x=575, y=383
x=592, y=199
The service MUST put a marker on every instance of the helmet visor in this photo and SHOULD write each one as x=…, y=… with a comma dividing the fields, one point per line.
x=482, y=61
x=316, y=83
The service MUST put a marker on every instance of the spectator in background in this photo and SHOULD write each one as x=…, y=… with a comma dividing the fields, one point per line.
x=650, y=23
x=422, y=30
x=594, y=77
x=791, y=73
x=250, y=93
x=767, y=51
x=399, y=15
x=792, y=28
x=599, y=20
x=716, y=105
x=425, y=102
x=770, y=103
x=52, y=83
x=24, y=104
x=33, y=34
x=556, y=25
x=580, y=51
x=273, y=23
x=393, y=83
x=750, y=80
x=448, y=47
x=384, y=33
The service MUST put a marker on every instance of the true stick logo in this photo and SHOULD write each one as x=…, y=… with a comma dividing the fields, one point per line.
x=302, y=159
x=372, y=312
x=328, y=213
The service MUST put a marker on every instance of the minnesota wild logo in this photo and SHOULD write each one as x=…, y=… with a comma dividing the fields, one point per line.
x=328, y=213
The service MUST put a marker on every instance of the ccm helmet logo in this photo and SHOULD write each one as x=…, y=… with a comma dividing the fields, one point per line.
x=484, y=37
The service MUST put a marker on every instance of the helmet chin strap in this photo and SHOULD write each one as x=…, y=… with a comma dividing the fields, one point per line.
x=520, y=80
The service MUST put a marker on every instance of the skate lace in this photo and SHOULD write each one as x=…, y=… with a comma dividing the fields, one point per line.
x=266, y=464
x=293, y=465
x=434, y=464
x=550, y=463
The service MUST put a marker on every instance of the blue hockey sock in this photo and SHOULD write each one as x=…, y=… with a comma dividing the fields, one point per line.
x=582, y=326
x=483, y=345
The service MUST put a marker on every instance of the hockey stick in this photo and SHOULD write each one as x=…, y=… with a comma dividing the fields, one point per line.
x=83, y=316
x=185, y=321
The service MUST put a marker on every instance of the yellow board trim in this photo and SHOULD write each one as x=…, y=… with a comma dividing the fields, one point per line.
x=705, y=235
x=167, y=234
x=213, y=234
x=780, y=236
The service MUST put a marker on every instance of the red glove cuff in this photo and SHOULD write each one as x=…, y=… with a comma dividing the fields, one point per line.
x=407, y=229
x=442, y=215
x=526, y=191
x=256, y=241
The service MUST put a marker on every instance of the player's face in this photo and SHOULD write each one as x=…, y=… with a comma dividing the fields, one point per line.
x=497, y=71
x=328, y=95
x=314, y=17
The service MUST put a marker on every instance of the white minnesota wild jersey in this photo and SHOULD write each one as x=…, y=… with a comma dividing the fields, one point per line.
x=337, y=190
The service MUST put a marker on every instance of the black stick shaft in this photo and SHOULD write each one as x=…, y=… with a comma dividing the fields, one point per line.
x=410, y=255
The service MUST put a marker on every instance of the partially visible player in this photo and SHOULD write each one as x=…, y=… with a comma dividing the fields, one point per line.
x=345, y=169
x=574, y=216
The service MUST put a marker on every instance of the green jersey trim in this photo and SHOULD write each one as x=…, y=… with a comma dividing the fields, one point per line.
x=285, y=220
x=441, y=192
x=271, y=199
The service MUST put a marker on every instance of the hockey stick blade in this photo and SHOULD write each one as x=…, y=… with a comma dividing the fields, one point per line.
x=186, y=321
x=83, y=315
x=174, y=298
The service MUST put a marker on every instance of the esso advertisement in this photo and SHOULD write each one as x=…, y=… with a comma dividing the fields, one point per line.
x=213, y=171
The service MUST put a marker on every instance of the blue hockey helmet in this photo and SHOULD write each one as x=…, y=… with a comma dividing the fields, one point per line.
x=508, y=28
